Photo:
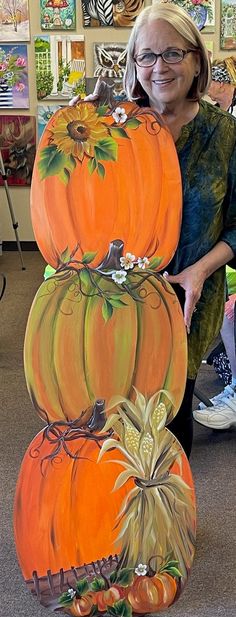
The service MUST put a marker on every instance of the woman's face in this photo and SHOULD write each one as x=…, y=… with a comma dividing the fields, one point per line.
x=165, y=84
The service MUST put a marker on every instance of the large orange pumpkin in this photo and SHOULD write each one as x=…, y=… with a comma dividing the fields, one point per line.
x=65, y=511
x=73, y=356
x=98, y=177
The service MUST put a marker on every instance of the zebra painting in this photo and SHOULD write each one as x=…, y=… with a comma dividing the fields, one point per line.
x=97, y=12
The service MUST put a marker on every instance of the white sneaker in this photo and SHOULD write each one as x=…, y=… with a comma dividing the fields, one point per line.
x=220, y=399
x=220, y=417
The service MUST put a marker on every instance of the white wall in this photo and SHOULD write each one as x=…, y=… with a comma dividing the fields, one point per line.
x=20, y=195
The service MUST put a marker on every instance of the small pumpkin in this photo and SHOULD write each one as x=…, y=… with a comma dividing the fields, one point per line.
x=152, y=593
x=74, y=356
x=82, y=606
x=65, y=511
x=99, y=174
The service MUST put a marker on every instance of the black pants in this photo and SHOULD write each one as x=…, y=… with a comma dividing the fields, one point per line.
x=182, y=425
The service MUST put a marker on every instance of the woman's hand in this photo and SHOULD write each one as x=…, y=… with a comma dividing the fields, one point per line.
x=229, y=307
x=193, y=277
x=102, y=94
x=192, y=280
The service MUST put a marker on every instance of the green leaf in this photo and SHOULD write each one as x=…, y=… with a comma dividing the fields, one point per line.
x=121, y=608
x=123, y=577
x=84, y=277
x=117, y=303
x=118, y=132
x=173, y=571
x=65, y=256
x=97, y=584
x=52, y=162
x=70, y=163
x=66, y=599
x=132, y=123
x=88, y=257
x=101, y=111
x=106, y=149
x=107, y=310
x=49, y=271
x=101, y=170
x=92, y=164
x=155, y=262
x=82, y=586
x=64, y=176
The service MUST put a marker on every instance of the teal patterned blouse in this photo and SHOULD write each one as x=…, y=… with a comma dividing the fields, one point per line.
x=207, y=156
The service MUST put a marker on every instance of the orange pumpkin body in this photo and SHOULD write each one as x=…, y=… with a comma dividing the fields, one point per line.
x=149, y=594
x=65, y=511
x=139, y=199
x=73, y=356
x=83, y=606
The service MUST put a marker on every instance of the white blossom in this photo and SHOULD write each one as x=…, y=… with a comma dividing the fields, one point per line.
x=128, y=261
x=71, y=593
x=141, y=569
x=119, y=115
x=119, y=276
x=143, y=262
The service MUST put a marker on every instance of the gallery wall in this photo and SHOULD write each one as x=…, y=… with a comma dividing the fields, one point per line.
x=20, y=195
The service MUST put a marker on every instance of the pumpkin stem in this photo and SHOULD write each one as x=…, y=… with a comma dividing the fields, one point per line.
x=112, y=259
x=152, y=572
x=98, y=418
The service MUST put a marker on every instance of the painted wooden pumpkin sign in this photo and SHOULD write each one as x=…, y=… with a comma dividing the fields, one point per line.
x=105, y=523
x=89, y=337
x=102, y=174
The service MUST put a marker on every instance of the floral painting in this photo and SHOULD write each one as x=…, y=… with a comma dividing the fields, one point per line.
x=14, y=89
x=18, y=146
x=45, y=112
x=60, y=66
x=228, y=24
x=201, y=11
x=14, y=20
x=58, y=14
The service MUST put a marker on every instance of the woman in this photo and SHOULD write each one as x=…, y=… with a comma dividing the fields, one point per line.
x=168, y=69
x=223, y=86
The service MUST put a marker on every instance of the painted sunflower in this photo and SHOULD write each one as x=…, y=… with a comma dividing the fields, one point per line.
x=77, y=130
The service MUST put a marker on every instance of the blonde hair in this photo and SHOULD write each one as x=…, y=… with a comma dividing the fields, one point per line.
x=184, y=25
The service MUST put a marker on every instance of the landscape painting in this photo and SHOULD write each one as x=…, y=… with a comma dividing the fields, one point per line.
x=14, y=20
x=228, y=24
x=60, y=66
x=58, y=14
x=14, y=88
x=18, y=147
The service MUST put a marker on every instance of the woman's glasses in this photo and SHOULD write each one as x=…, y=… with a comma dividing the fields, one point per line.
x=170, y=56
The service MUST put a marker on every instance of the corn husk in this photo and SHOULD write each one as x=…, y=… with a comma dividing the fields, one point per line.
x=157, y=517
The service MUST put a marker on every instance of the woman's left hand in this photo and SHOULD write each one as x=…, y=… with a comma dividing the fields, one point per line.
x=192, y=280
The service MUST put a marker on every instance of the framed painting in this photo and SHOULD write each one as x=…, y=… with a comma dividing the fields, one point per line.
x=14, y=88
x=201, y=11
x=45, y=112
x=228, y=24
x=60, y=66
x=97, y=13
x=14, y=20
x=109, y=60
x=58, y=14
x=125, y=12
x=18, y=147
